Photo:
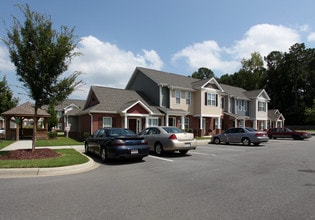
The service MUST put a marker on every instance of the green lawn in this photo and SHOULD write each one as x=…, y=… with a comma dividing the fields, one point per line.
x=69, y=157
x=5, y=143
x=59, y=141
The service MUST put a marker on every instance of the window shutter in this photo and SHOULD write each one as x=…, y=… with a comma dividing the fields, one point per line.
x=206, y=98
x=216, y=99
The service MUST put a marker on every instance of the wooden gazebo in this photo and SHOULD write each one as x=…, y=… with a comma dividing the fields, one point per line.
x=19, y=122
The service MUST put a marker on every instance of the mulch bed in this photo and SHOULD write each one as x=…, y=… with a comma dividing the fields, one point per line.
x=28, y=154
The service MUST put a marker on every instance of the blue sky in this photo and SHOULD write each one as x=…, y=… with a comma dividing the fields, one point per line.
x=177, y=36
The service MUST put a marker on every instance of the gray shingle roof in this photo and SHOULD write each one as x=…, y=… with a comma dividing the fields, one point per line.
x=234, y=91
x=26, y=110
x=116, y=100
x=170, y=79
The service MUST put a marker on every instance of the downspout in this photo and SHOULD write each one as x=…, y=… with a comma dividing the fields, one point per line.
x=91, y=122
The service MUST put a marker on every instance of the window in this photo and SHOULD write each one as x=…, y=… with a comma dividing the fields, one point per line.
x=177, y=96
x=153, y=121
x=239, y=105
x=242, y=105
x=222, y=103
x=187, y=97
x=59, y=114
x=186, y=122
x=107, y=122
x=211, y=99
x=59, y=126
x=261, y=106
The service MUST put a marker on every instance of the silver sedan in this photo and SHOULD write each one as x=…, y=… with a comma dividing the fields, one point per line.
x=163, y=139
x=246, y=136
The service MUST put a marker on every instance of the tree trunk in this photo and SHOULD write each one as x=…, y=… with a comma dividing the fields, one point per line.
x=34, y=129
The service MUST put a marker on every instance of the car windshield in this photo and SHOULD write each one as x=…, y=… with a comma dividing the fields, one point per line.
x=119, y=132
x=172, y=130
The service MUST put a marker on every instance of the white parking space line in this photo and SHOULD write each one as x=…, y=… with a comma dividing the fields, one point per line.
x=203, y=154
x=213, y=148
x=160, y=158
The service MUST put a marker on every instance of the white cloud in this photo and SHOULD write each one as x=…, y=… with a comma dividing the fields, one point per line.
x=264, y=38
x=5, y=62
x=205, y=54
x=311, y=37
x=103, y=63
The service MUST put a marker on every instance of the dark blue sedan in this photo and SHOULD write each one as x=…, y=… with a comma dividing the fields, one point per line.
x=116, y=143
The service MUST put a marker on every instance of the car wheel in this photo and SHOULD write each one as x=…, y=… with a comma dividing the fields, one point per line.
x=296, y=137
x=217, y=140
x=183, y=152
x=158, y=149
x=103, y=155
x=246, y=141
x=86, y=148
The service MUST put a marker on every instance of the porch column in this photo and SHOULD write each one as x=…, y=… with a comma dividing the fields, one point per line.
x=235, y=123
x=182, y=122
x=201, y=123
x=166, y=119
x=125, y=121
x=146, y=121
x=255, y=124
x=219, y=123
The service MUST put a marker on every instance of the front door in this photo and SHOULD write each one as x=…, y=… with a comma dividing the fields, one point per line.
x=134, y=124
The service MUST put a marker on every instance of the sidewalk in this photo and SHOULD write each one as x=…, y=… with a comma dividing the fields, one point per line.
x=37, y=172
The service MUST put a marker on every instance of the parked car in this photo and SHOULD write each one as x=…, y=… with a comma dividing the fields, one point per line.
x=246, y=136
x=163, y=139
x=287, y=133
x=116, y=143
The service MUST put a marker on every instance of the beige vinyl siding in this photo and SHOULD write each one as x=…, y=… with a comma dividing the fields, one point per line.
x=182, y=105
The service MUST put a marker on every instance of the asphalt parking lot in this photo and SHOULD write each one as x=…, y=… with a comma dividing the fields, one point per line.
x=275, y=180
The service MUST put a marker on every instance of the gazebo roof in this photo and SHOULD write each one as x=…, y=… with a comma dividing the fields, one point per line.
x=25, y=110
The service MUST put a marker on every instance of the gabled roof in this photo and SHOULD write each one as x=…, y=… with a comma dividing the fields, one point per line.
x=165, y=78
x=234, y=91
x=274, y=115
x=257, y=93
x=112, y=100
x=25, y=110
x=76, y=104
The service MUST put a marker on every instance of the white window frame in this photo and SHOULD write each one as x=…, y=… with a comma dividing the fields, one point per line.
x=107, y=125
x=177, y=96
x=188, y=97
x=261, y=106
x=186, y=122
x=211, y=99
x=153, y=121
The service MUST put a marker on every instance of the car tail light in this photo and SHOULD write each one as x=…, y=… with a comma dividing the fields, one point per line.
x=260, y=134
x=144, y=142
x=118, y=142
x=172, y=137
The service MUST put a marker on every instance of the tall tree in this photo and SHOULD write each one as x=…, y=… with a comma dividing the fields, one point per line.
x=252, y=73
x=41, y=55
x=291, y=81
x=203, y=73
x=7, y=101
